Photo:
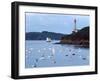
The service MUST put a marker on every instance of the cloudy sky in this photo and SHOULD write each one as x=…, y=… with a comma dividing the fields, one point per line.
x=59, y=23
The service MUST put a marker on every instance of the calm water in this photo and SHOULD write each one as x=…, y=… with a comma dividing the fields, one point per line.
x=48, y=54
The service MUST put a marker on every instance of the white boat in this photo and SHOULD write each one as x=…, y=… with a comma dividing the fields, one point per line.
x=48, y=39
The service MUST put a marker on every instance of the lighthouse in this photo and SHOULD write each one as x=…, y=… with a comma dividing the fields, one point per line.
x=75, y=29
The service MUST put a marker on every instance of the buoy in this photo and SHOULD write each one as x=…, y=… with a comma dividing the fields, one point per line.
x=73, y=54
x=66, y=55
x=84, y=58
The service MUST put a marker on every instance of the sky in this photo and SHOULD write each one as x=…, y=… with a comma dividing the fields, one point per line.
x=59, y=23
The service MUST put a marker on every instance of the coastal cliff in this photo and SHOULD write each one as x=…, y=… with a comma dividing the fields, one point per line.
x=79, y=38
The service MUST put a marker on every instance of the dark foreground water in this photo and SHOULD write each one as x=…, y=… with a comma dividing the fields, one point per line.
x=48, y=54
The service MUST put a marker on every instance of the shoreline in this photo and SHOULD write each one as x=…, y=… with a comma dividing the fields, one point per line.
x=75, y=44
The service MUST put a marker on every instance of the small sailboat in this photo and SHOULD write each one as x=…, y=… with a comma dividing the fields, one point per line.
x=48, y=39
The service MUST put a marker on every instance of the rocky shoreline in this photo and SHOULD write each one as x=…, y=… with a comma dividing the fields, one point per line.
x=75, y=43
x=81, y=38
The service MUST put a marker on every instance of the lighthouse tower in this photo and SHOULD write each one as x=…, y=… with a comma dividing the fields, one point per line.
x=75, y=29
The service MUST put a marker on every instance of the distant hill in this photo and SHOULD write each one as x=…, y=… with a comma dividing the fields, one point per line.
x=79, y=38
x=43, y=35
